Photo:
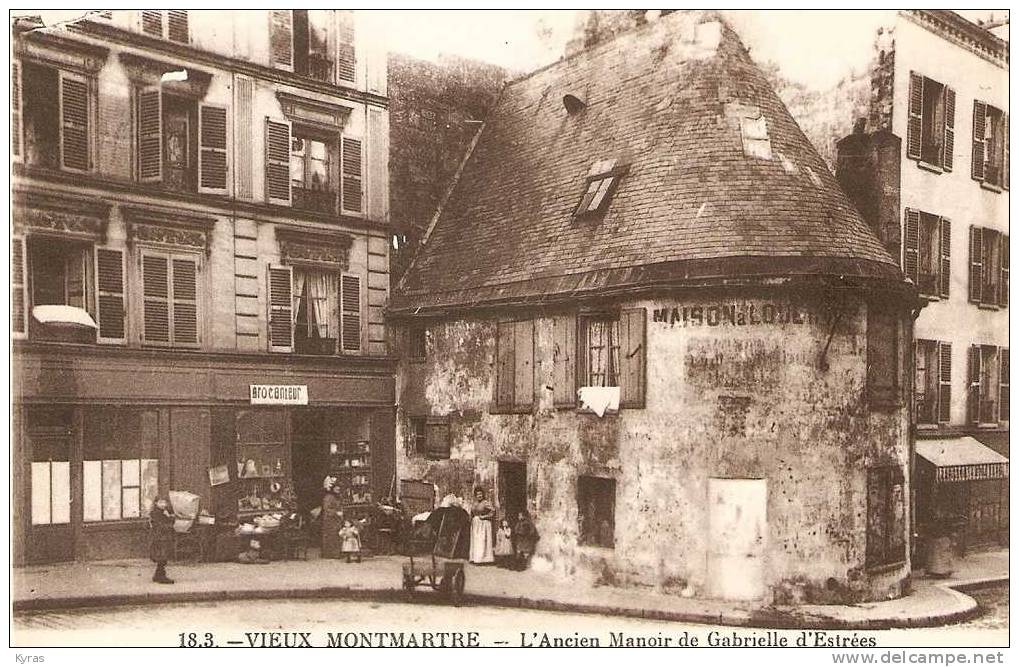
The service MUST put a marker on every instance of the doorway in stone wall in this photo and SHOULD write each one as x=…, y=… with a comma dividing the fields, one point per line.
x=512, y=489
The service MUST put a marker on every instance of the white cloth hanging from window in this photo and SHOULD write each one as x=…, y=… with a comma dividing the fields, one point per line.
x=599, y=400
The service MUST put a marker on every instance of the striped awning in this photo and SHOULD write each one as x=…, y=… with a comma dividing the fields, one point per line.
x=962, y=459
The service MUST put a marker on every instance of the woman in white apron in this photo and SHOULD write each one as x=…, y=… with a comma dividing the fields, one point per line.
x=482, y=515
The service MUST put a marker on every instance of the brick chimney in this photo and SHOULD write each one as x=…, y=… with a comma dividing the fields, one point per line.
x=867, y=167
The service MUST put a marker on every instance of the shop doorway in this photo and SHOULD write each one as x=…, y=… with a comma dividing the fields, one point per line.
x=50, y=533
x=512, y=488
x=737, y=525
x=309, y=456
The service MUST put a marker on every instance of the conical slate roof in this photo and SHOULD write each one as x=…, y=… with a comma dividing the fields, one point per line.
x=699, y=202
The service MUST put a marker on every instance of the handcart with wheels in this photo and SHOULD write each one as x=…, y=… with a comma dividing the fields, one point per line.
x=437, y=553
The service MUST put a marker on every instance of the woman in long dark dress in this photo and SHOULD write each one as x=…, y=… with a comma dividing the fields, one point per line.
x=161, y=547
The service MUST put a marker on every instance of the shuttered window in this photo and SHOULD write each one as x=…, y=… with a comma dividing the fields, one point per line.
x=19, y=296
x=166, y=24
x=988, y=267
x=177, y=26
x=1003, y=394
x=946, y=257
x=149, y=119
x=927, y=252
x=944, y=383
x=110, y=309
x=632, y=324
x=170, y=299
x=514, y=383
x=152, y=22
x=212, y=149
x=973, y=394
x=564, y=362
x=17, y=139
x=277, y=161
x=281, y=39
x=74, y=122
x=281, y=318
x=346, y=63
x=990, y=145
x=351, y=173
x=930, y=131
x=350, y=312
x=437, y=438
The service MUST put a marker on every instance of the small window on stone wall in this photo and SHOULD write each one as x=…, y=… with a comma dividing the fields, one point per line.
x=596, y=511
x=416, y=342
x=417, y=442
x=437, y=439
x=886, y=516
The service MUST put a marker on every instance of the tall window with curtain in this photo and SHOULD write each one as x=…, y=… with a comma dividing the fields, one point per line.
x=316, y=318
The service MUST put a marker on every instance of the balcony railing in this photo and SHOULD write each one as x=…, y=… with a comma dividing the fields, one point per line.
x=926, y=409
x=320, y=67
x=928, y=283
x=319, y=201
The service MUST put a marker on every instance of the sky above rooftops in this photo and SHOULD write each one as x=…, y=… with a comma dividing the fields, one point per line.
x=816, y=48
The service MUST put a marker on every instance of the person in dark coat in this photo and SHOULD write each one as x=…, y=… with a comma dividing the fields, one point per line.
x=525, y=537
x=161, y=546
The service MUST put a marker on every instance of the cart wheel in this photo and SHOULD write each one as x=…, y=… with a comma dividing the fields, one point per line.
x=456, y=588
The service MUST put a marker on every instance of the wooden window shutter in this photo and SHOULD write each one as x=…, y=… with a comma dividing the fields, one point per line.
x=944, y=382
x=973, y=399
x=277, y=161
x=523, y=364
x=991, y=248
x=437, y=442
x=281, y=308
x=352, y=192
x=564, y=364
x=914, y=128
x=979, y=139
x=1003, y=259
x=1004, y=181
x=1003, y=392
x=243, y=144
x=505, y=381
x=911, y=246
x=177, y=26
x=19, y=296
x=976, y=263
x=281, y=39
x=150, y=135
x=378, y=164
x=74, y=122
x=212, y=149
x=110, y=311
x=185, y=301
x=946, y=256
x=632, y=356
x=346, y=62
x=17, y=140
x=152, y=22
x=156, y=299
x=949, y=144
x=350, y=312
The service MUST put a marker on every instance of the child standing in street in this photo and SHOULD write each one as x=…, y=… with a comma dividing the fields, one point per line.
x=504, y=545
x=351, y=540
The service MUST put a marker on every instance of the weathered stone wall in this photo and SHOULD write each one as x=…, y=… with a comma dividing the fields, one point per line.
x=746, y=398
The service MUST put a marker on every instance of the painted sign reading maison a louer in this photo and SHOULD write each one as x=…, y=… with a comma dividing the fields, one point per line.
x=278, y=394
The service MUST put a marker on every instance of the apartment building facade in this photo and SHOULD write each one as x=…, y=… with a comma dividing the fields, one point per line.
x=200, y=261
x=933, y=179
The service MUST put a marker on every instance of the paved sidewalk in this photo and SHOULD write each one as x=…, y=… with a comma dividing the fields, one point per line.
x=105, y=583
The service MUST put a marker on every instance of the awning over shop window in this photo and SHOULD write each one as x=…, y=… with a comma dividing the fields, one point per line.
x=962, y=459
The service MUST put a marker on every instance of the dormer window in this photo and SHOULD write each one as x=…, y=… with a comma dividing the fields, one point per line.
x=602, y=179
x=755, y=137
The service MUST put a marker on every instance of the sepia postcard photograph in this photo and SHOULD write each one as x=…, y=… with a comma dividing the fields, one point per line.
x=518, y=328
